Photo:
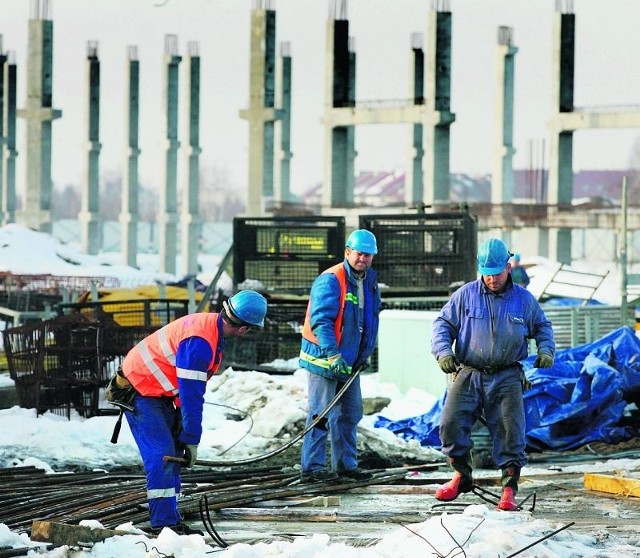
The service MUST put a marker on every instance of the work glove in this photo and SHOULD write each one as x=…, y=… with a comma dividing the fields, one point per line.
x=338, y=366
x=190, y=455
x=544, y=360
x=449, y=364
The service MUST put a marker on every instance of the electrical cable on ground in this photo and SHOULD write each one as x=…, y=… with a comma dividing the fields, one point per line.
x=330, y=405
x=246, y=415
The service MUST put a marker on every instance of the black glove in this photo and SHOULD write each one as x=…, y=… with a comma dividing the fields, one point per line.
x=544, y=360
x=190, y=454
x=338, y=365
x=449, y=364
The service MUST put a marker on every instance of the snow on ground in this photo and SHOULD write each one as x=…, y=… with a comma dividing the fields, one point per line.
x=52, y=442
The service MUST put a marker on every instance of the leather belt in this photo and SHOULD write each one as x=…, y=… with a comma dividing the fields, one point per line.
x=491, y=369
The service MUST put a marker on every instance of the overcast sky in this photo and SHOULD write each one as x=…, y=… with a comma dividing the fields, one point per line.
x=606, y=74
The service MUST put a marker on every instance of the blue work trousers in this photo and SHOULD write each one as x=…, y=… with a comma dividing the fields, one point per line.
x=153, y=424
x=499, y=398
x=340, y=425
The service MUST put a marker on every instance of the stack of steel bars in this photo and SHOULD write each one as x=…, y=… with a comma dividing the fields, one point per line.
x=119, y=496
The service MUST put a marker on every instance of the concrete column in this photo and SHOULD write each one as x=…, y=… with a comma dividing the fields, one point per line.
x=129, y=208
x=39, y=115
x=168, y=216
x=3, y=61
x=190, y=239
x=543, y=242
x=9, y=153
x=414, y=181
x=89, y=215
x=261, y=113
x=339, y=93
x=502, y=186
x=561, y=144
x=282, y=169
x=438, y=101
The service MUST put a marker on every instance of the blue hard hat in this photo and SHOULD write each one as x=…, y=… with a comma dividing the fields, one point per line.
x=493, y=256
x=249, y=307
x=363, y=241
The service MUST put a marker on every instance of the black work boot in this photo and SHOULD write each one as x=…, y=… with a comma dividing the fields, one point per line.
x=510, y=478
x=462, y=480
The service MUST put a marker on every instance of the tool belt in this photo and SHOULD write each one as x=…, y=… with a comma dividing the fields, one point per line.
x=120, y=392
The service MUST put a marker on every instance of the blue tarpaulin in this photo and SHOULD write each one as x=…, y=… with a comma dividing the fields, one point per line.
x=579, y=401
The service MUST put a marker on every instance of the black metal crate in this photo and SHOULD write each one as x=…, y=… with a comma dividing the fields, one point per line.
x=56, y=364
x=285, y=254
x=116, y=342
x=423, y=254
x=278, y=340
x=144, y=312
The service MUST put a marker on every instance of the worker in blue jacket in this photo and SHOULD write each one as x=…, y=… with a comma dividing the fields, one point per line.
x=338, y=337
x=519, y=274
x=480, y=337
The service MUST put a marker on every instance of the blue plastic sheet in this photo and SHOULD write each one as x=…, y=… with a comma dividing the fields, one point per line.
x=580, y=400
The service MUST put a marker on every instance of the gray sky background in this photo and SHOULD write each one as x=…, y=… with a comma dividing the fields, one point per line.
x=606, y=74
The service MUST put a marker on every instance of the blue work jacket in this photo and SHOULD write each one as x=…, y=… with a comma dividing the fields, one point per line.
x=357, y=341
x=490, y=329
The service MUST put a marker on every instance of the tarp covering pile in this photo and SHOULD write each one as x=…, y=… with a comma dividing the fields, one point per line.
x=585, y=398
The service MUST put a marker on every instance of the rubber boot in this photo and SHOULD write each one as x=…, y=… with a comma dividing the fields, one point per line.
x=510, y=478
x=462, y=480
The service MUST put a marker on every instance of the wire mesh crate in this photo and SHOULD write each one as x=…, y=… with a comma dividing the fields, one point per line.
x=55, y=365
x=423, y=254
x=143, y=312
x=285, y=254
x=116, y=342
x=278, y=340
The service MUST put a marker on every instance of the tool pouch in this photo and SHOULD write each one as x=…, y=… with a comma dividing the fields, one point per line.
x=120, y=393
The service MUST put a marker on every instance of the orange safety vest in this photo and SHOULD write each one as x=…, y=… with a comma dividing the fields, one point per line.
x=341, y=273
x=150, y=366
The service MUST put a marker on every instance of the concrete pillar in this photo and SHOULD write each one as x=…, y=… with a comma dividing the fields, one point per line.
x=3, y=61
x=261, y=113
x=438, y=101
x=414, y=181
x=39, y=115
x=168, y=216
x=89, y=215
x=340, y=92
x=190, y=239
x=502, y=186
x=282, y=169
x=9, y=153
x=543, y=242
x=129, y=208
x=561, y=145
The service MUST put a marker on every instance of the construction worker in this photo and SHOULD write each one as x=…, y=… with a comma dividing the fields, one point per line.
x=518, y=272
x=338, y=337
x=480, y=337
x=169, y=370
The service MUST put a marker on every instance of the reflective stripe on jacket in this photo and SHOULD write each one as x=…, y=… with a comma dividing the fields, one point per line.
x=341, y=274
x=150, y=366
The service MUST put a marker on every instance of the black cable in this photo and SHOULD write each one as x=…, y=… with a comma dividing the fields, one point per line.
x=246, y=415
x=311, y=425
